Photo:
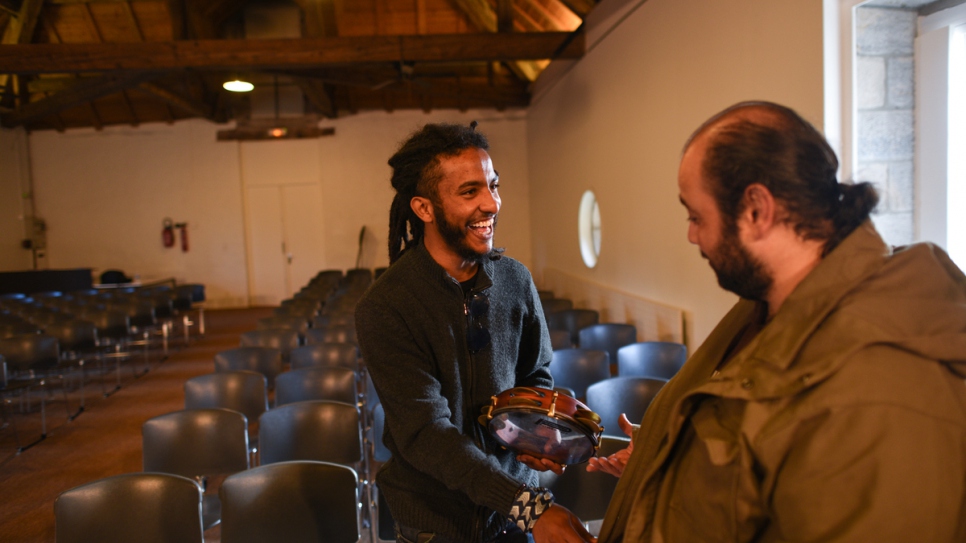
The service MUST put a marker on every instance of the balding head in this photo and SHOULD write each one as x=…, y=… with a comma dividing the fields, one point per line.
x=771, y=145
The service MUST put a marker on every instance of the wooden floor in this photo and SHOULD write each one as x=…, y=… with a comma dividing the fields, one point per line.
x=104, y=440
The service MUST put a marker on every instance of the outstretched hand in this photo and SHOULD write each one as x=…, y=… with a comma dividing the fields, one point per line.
x=615, y=463
x=559, y=525
x=541, y=464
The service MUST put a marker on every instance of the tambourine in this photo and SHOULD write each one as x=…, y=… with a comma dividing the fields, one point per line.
x=542, y=423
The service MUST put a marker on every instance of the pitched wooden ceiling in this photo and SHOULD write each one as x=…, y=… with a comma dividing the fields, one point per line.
x=94, y=63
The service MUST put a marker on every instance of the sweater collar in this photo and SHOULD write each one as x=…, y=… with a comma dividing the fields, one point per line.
x=434, y=272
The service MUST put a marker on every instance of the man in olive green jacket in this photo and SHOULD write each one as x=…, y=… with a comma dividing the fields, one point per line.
x=829, y=403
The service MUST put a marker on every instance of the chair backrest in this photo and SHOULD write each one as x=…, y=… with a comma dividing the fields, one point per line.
x=313, y=355
x=607, y=336
x=243, y=391
x=560, y=339
x=654, y=359
x=74, y=335
x=30, y=352
x=295, y=322
x=331, y=334
x=313, y=430
x=629, y=395
x=572, y=320
x=341, y=318
x=295, y=502
x=556, y=304
x=284, y=339
x=196, y=442
x=584, y=492
x=579, y=368
x=131, y=508
x=334, y=383
x=264, y=360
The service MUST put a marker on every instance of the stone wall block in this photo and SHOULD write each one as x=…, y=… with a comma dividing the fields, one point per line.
x=884, y=31
x=895, y=228
x=870, y=82
x=901, y=82
x=885, y=135
x=900, y=186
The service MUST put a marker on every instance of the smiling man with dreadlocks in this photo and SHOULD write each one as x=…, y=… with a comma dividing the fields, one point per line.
x=450, y=324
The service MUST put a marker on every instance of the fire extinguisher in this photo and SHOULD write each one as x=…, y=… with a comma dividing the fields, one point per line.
x=167, y=233
x=183, y=226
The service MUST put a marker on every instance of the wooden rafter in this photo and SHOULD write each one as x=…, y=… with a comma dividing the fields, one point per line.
x=184, y=103
x=318, y=94
x=285, y=54
x=134, y=20
x=504, y=15
x=85, y=90
x=580, y=7
x=320, y=18
x=20, y=29
x=93, y=23
x=177, y=13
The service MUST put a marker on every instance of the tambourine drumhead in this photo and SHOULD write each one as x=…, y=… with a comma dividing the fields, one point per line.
x=536, y=434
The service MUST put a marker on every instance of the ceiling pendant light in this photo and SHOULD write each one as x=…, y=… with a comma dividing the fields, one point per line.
x=238, y=85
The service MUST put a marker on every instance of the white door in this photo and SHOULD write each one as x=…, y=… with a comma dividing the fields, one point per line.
x=285, y=240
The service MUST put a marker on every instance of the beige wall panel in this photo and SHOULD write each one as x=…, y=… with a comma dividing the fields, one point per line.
x=615, y=122
x=105, y=193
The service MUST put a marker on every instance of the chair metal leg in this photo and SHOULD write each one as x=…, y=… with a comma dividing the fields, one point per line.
x=81, y=407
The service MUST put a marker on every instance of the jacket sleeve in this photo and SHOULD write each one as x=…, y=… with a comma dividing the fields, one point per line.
x=533, y=361
x=873, y=472
x=419, y=414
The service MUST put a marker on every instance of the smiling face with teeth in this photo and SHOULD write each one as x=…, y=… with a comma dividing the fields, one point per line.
x=461, y=218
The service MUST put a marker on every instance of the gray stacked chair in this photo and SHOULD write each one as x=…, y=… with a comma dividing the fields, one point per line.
x=577, y=369
x=629, y=395
x=554, y=305
x=608, y=337
x=295, y=322
x=572, y=320
x=284, y=339
x=331, y=334
x=29, y=359
x=560, y=339
x=654, y=359
x=197, y=443
x=131, y=508
x=345, y=355
x=78, y=344
x=264, y=360
x=294, y=502
x=382, y=521
x=320, y=430
x=242, y=391
x=318, y=383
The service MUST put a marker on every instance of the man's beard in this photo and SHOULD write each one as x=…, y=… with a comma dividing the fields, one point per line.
x=455, y=237
x=737, y=270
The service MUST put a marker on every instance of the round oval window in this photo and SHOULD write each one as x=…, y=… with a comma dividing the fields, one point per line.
x=588, y=223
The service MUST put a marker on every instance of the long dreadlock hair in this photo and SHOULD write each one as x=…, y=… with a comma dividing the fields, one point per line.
x=415, y=173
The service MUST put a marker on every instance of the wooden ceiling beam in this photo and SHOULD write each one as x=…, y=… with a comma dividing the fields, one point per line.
x=478, y=12
x=20, y=29
x=85, y=90
x=320, y=18
x=184, y=103
x=176, y=12
x=580, y=7
x=318, y=94
x=134, y=20
x=94, y=1
x=504, y=15
x=286, y=54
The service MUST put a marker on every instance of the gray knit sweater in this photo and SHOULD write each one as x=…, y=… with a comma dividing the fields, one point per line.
x=446, y=475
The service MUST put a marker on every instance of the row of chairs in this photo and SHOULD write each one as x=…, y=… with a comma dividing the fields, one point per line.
x=54, y=335
x=282, y=360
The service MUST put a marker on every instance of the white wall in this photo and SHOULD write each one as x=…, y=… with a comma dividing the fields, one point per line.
x=616, y=120
x=13, y=181
x=105, y=193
